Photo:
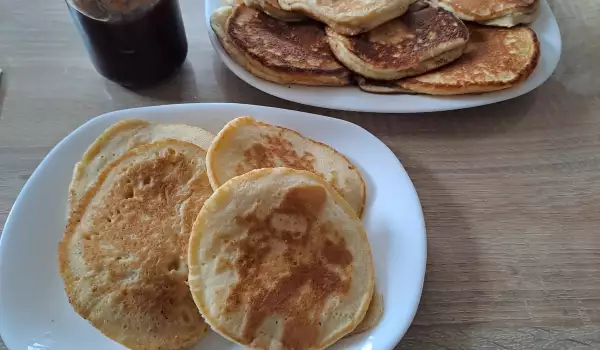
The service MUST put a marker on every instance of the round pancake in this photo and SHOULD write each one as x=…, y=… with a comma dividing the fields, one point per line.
x=123, y=257
x=488, y=11
x=272, y=8
x=245, y=144
x=421, y=40
x=349, y=17
x=278, y=260
x=495, y=59
x=284, y=53
x=120, y=138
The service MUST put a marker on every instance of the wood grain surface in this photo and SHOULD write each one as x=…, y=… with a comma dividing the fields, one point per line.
x=511, y=191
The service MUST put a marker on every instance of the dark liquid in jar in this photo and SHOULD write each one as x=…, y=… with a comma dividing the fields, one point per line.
x=135, y=43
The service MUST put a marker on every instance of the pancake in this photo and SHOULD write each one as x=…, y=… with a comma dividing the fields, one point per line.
x=386, y=87
x=123, y=256
x=502, y=13
x=284, y=53
x=374, y=313
x=422, y=39
x=349, y=17
x=278, y=260
x=495, y=59
x=272, y=8
x=120, y=138
x=245, y=144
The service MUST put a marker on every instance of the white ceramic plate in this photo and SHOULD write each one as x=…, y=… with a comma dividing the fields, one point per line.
x=353, y=99
x=36, y=314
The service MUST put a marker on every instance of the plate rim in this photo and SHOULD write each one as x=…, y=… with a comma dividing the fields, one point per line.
x=428, y=103
x=9, y=231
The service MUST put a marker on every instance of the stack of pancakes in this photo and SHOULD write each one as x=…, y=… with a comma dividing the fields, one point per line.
x=384, y=46
x=254, y=232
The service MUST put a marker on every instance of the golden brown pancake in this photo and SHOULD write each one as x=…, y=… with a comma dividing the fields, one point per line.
x=123, y=257
x=121, y=137
x=272, y=8
x=495, y=59
x=349, y=17
x=422, y=39
x=278, y=260
x=284, y=53
x=385, y=87
x=245, y=144
x=504, y=13
x=374, y=314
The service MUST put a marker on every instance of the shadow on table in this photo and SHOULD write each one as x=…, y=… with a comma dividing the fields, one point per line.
x=551, y=105
x=234, y=89
x=452, y=256
x=478, y=122
x=545, y=102
x=453, y=300
x=179, y=88
x=473, y=123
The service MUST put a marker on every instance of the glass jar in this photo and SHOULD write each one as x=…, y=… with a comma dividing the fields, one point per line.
x=135, y=43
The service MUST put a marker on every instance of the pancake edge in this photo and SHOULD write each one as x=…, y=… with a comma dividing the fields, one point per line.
x=280, y=14
x=94, y=148
x=513, y=19
x=98, y=144
x=469, y=16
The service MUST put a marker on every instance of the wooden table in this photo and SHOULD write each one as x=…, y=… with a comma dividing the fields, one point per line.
x=511, y=192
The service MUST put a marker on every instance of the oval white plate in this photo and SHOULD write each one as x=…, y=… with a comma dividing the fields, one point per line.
x=36, y=313
x=353, y=99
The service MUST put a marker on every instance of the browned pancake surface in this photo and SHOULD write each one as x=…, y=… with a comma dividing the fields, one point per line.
x=289, y=47
x=123, y=256
x=422, y=33
x=269, y=289
x=278, y=260
x=492, y=57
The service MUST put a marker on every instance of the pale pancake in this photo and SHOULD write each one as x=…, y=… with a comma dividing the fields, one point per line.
x=502, y=13
x=421, y=40
x=386, y=87
x=272, y=8
x=512, y=20
x=374, y=313
x=278, y=260
x=120, y=138
x=245, y=144
x=349, y=17
x=123, y=256
x=495, y=59
x=277, y=51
